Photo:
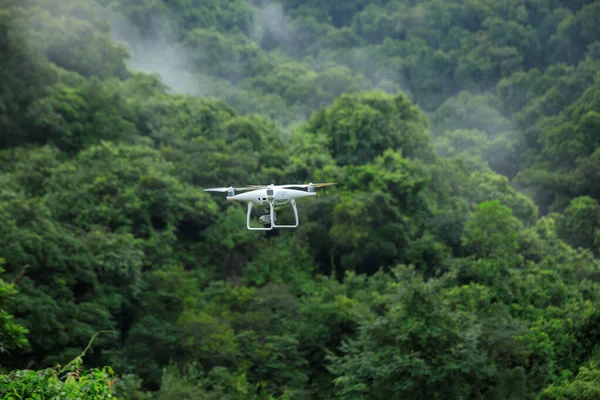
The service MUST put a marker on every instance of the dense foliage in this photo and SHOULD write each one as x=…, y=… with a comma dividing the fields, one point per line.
x=458, y=256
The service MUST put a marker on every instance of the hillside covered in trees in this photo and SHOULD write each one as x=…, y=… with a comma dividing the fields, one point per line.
x=458, y=256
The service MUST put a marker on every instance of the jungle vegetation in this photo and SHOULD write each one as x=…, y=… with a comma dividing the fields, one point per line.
x=456, y=258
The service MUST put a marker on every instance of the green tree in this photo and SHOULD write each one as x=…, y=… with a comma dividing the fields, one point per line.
x=362, y=126
x=492, y=232
x=12, y=334
x=416, y=346
x=580, y=223
x=583, y=387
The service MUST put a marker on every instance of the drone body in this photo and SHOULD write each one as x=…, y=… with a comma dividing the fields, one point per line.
x=270, y=198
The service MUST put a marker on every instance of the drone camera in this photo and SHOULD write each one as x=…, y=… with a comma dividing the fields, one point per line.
x=265, y=219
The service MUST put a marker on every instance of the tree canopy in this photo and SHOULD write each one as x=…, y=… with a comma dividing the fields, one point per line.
x=458, y=256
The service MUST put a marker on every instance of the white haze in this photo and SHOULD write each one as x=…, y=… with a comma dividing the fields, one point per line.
x=169, y=60
x=270, y=17
x=172, y=62
x=164, y=57
x=157, y=55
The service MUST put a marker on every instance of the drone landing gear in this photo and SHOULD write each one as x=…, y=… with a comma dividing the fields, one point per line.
x=271, y=218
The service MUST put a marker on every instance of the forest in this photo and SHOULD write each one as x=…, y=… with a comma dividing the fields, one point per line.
x=457, y=257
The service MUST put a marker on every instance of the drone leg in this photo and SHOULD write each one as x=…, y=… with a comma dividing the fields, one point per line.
x=250, y=204
x=293, y=203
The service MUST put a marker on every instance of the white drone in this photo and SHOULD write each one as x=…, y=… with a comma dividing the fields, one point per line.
x=270, y=197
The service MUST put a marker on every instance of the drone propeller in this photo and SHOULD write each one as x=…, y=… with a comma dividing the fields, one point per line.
x=308, y=185
x=293, y=185
x=225, y=189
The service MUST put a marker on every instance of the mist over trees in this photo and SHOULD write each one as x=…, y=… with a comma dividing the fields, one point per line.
x=457, y=257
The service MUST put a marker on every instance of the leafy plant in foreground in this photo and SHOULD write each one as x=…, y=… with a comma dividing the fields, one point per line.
x=72, y=381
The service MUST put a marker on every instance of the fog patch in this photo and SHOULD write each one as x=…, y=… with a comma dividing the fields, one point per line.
x=271, y=27
x=157, y=54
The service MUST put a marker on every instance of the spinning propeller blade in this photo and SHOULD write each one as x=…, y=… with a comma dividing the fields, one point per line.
x=309, y=184
x=255, y=187
x=224, y=189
